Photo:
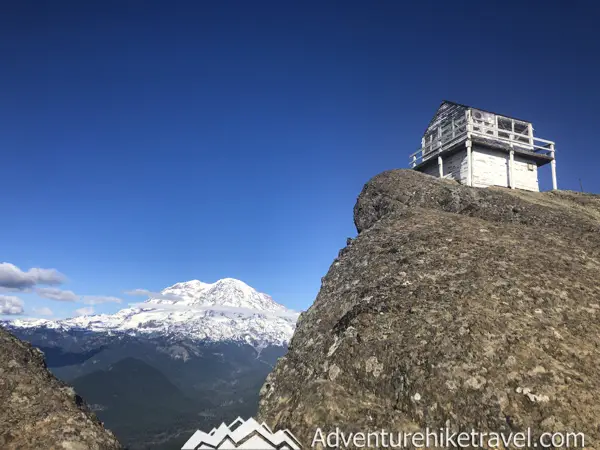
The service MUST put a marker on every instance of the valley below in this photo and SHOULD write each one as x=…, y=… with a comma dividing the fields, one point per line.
x=153, y=386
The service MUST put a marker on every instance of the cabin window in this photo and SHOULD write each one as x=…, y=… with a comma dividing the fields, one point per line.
x=504, y=127
x=513, y=129
x=447, y=132
x=486, y=121
x=521, y=131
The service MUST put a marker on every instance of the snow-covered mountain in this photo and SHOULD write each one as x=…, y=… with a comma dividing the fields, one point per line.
x=227, y=310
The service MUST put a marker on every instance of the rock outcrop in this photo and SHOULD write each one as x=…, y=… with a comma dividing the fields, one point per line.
x=39, y=411
x=454, y=306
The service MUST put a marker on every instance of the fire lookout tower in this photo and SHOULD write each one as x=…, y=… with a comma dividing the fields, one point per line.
x=481, y=148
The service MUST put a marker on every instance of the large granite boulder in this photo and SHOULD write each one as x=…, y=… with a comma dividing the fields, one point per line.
x=454, y=306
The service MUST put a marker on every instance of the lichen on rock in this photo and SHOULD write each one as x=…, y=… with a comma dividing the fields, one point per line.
x=474, y=308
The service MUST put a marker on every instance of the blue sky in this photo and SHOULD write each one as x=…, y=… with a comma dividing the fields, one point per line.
x=146, y=143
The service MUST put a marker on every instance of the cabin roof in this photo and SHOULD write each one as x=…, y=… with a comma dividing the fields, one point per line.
x=470, y=107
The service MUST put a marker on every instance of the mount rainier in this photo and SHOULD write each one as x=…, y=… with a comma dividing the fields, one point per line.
x=227, y=310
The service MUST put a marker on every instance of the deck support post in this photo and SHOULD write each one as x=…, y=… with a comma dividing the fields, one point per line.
x=441, y=166
x=511, y=163
x=469, y=144
x=553, y=167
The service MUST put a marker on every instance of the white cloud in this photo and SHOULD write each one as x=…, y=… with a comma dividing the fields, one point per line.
x=85, y=311
x=13, y=290
x=98, y=299
x=43, y=311
x=9, y=304
x=14, y=278
x=158, y=295
x=142, y=292
x=57, y=294
x=70, y=296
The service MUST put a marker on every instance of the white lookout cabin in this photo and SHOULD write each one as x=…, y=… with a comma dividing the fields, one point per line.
x=481, y=148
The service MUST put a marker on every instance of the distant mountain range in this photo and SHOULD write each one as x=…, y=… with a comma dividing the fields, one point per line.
x=190, y=357
x=228, y=310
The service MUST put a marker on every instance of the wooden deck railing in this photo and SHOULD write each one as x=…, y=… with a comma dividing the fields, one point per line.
x=460, y=129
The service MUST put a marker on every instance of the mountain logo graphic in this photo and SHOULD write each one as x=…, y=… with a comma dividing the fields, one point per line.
x=243, y=434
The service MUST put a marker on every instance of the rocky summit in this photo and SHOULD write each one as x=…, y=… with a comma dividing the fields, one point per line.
x=454, y=307
x=39, y=411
